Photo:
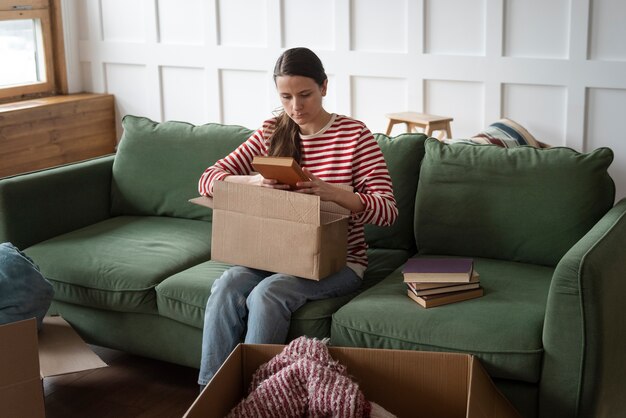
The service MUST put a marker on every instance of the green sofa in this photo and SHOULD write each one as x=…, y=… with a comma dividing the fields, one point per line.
x=129, y=257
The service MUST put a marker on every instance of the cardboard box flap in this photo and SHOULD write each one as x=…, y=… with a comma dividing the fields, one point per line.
x=266, y=203
x=325, y=207
x=20, y=383
x=18, y=353
x=24, y=361
x=484, y=400
x=217, y=403
x=231, y=381
x=425, y=383
x=203, y=201
x=62, y=351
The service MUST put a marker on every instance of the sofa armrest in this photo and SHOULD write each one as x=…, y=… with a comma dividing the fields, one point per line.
x=584, y=335
x=40, y=205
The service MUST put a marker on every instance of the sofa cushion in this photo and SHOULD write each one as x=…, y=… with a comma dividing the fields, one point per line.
x=314, y=319
x=158, y=165
x=503, y=327
x=521, y=204
x=142, y=334
x=115, y=264
x=403, y=155
x=182, y=297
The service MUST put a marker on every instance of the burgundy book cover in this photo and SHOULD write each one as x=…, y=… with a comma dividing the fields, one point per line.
x=438, y=265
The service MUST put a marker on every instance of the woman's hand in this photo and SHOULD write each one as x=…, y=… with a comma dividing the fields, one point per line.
x=316, y=186
x=328, y=192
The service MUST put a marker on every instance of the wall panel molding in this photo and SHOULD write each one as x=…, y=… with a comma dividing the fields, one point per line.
x=472, y=60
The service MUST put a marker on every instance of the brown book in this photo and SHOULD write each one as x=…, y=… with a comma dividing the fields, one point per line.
x=455, y=287
x=438, y=270
x=427, y=285
x=431, y=301
x=284, y=169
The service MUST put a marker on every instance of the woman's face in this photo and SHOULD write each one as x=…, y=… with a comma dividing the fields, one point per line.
x=301, y=98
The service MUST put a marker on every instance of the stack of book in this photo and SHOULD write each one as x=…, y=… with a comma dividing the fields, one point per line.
x=439, y=281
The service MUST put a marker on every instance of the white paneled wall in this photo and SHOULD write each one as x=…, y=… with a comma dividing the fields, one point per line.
x=537, y=28
x=183, y=94
x=454, y=27
x=558, y=67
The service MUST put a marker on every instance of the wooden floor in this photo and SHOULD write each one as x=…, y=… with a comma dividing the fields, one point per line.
x=133, y=387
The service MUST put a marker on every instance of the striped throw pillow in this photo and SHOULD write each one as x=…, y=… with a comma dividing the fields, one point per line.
x=506, y=133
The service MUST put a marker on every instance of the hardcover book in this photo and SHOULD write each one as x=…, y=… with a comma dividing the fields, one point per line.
x=284, y=169
x=430, y=301
x=451, y=287
x=442, y=285
x=436, y=270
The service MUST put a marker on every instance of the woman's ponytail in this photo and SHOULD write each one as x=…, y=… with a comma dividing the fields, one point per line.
x=285, y=141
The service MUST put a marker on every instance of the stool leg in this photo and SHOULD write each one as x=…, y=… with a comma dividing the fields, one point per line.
x=429, y=130
x=448, y=130
x=389, y=126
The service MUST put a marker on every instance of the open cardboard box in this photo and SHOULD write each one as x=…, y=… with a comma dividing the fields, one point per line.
x=405, y=383
x=277, y=230
x=27, y=357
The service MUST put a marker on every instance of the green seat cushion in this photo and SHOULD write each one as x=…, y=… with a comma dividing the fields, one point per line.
x=503, y=327
x=183, y=296
x=403, y=155
x=115, y=264
x=158, y=165
x=142, y=334
x=314, y=318
x=522, y=204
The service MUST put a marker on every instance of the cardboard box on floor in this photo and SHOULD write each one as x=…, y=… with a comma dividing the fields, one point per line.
x=405, y=383
x=27, y=357
x=277, y=230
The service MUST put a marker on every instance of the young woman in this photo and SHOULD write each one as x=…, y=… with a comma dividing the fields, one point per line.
x=331, y=149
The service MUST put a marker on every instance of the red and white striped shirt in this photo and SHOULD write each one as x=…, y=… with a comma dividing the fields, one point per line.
x=343, y=152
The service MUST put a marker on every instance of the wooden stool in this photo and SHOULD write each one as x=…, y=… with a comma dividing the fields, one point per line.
x=429, y=123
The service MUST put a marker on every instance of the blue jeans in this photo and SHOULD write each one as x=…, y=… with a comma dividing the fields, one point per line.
x=262, y=302
x=24, y=292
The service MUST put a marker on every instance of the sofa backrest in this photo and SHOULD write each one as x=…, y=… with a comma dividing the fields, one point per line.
x=403, y=155
x=158, y=165
x=521, y=204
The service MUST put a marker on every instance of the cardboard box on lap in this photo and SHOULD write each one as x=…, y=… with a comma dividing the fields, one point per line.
x=27, y=357
x=277, y=230
x=405, y=383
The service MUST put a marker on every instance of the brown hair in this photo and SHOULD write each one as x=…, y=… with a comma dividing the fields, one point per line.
x=285, y=141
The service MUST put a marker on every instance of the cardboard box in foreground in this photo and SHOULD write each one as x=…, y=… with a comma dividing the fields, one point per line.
x=405, y=383
x=277, y=230
x=27, y=357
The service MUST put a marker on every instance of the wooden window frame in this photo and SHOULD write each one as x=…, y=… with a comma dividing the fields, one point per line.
x=49, y=14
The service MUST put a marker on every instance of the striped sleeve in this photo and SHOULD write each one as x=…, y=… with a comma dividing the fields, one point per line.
x=373, y=183
x=238, y=162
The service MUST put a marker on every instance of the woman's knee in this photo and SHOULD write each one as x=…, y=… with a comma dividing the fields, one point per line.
x=230, y=279
x=274, y=291
x=235, y=284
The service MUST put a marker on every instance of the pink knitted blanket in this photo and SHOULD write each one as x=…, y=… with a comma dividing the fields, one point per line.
x=303, y=381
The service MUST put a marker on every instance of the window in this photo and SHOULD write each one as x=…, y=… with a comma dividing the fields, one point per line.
x=29, y=59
